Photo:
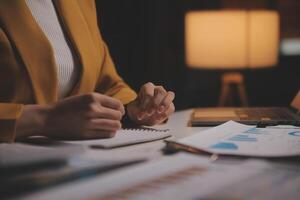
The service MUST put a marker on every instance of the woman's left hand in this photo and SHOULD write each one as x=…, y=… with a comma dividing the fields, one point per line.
x=152, y=106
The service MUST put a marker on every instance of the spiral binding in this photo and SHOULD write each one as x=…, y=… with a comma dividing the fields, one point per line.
x=144, y=129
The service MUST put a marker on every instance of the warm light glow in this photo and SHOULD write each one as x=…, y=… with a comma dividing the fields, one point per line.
x=231, y=39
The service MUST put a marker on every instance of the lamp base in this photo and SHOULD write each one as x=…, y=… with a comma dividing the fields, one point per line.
x=232, y=82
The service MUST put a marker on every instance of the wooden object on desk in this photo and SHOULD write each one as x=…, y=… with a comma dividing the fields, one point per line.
x=230, y=83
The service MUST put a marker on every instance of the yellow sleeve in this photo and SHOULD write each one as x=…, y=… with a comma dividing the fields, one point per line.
x=110, y=83
x=9, y=113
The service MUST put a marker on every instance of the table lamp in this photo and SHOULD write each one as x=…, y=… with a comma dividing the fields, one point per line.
x=232, y=40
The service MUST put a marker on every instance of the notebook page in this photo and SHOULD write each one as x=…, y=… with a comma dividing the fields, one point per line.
x=126, y=137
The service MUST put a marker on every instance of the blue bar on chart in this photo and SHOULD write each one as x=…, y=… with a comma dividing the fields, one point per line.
x=242, y=138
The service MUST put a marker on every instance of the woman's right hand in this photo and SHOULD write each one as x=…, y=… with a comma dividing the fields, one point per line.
x=88, y=116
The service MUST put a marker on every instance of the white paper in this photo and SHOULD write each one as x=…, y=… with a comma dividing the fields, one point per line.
x=184, y=176
x=238, y=139
x=126, y=137
x=24, y=154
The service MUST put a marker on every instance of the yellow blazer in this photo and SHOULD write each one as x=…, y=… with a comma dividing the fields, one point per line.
x=27, y=66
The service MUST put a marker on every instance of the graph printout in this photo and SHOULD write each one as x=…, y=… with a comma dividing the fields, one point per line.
x=237, y=139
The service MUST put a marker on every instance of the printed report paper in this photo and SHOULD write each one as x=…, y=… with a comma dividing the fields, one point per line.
x=233, y=138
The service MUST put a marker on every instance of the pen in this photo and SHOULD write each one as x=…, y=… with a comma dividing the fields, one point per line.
x=177, y=146
x=181, y=147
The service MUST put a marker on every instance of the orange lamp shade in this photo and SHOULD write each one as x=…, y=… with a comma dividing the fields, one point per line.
x=231, y=39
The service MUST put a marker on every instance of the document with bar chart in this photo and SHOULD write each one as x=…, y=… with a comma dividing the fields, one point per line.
x=238, y=139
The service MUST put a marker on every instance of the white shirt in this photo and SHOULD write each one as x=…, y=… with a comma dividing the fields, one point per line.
x=45, y=15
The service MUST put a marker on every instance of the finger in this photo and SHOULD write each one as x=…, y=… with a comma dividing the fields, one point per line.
x=145, y=95
x=157, y=118
x=105, y=124
x=110, y=102
x=166, y=102
x=160, y=117
x=159, y=95
x=143, y=115
x=106, y=113
x=170, y=110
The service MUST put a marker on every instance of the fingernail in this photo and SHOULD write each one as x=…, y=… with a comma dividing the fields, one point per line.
x=140, y=116
x=161, y=109
x=150, y=112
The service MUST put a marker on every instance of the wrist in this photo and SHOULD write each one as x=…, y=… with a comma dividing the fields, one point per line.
x=32, y=120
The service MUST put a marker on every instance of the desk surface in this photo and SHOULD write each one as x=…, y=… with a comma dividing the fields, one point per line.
x=178, y=124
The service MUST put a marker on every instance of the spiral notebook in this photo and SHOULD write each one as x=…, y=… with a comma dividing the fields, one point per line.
x=128, y=136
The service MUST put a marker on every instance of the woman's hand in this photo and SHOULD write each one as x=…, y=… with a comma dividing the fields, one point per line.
x=87, y=116
x=152, y=106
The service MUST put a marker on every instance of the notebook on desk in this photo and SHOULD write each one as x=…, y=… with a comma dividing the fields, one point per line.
x=251, y=116
x=125, y=137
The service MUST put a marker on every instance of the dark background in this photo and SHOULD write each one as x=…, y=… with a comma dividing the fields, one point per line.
x=146, y=40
